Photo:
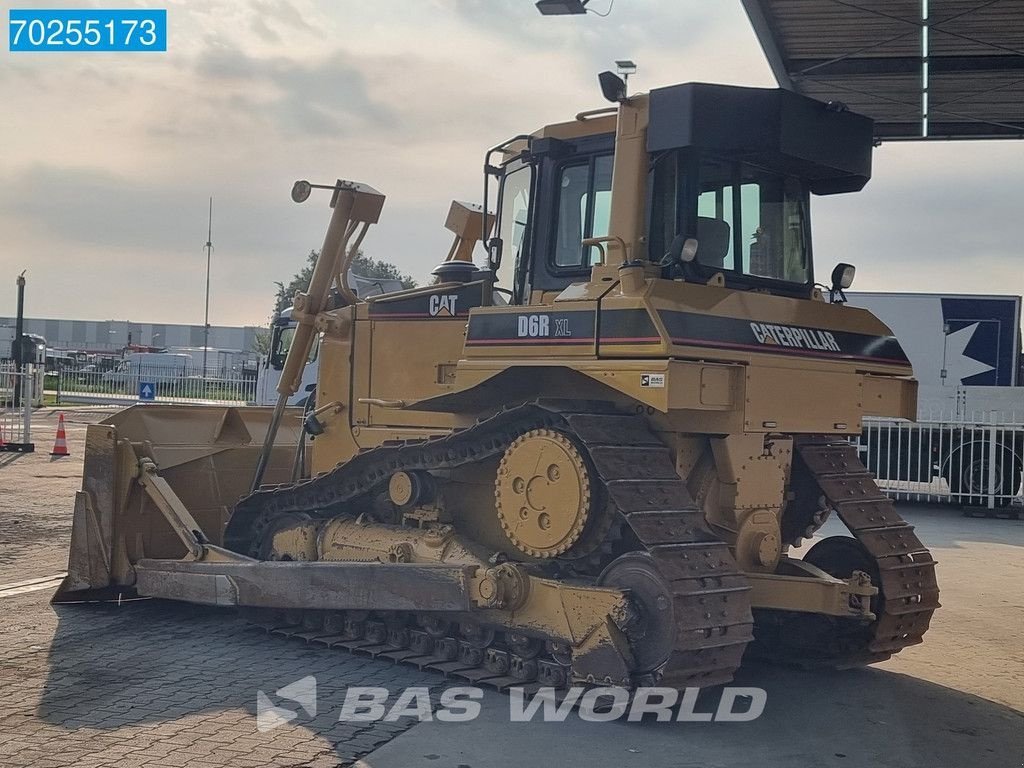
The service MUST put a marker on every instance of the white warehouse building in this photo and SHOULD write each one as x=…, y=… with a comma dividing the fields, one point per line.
x=114, y=335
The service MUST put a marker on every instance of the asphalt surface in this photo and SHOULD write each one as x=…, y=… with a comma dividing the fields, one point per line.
x=153, y=684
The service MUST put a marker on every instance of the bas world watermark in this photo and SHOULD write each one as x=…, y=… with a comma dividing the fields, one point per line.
x=457, y=704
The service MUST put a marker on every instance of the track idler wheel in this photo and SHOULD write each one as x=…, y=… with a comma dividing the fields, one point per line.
x=523, y=645
x=810, y=640
x=560, y=653
x=496, y=661
x=476, y=636
x=651, y=628
x=840, y=556
x=435, y=626
x=523, y=669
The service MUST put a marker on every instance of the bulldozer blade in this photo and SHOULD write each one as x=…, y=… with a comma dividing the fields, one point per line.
x=206, y=455
x=340, y=585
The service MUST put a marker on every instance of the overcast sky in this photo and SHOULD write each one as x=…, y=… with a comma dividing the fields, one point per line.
x=107, y=160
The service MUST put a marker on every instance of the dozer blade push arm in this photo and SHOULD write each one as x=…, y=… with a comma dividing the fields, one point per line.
x=180, y=519
x=356, y=207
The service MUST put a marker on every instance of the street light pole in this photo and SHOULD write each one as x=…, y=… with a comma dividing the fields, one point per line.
x=206, y=322
x=17, y=349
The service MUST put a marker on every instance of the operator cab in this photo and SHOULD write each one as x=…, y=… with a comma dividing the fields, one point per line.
x=731, y=167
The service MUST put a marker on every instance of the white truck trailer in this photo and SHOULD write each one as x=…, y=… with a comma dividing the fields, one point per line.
x=969, y=436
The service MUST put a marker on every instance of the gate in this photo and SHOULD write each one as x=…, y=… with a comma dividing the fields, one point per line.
x=16, y=420
x=956, y=460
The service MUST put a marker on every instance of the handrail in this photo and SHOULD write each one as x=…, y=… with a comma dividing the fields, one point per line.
x=589, y=113
x=598, y=242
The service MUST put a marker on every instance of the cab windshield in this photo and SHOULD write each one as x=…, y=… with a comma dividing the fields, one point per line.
x=763, y=213
x=751, y=224
x=281, y=342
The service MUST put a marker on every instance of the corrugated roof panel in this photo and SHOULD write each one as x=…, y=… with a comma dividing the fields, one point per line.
x=990, y=25
x=807, y=28
x=868, y=54
x=880, y=97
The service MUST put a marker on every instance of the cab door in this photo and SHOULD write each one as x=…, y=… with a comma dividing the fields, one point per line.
x=573, y=204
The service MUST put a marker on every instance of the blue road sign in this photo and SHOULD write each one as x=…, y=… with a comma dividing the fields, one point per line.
x=147, y=390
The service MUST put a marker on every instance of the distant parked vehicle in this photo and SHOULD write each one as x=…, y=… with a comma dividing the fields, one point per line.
x=282, y=333
x=216, y=361
x=33, y=346
x=33, y=354
x=150, y=367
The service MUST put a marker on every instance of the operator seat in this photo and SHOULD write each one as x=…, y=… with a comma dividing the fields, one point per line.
x=714, y=237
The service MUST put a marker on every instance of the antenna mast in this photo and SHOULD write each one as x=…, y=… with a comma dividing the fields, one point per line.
x=206, y=322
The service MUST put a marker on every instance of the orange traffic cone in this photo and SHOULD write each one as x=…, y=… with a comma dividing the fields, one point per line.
x=60, y=445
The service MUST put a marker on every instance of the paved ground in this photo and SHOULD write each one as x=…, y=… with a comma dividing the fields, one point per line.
x=149, y=684
x=37, y=493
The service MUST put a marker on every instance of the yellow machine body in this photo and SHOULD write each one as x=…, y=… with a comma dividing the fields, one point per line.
x=587, y=463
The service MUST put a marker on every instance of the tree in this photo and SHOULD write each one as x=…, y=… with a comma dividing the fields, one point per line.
x=362, y=265
x=261, y=341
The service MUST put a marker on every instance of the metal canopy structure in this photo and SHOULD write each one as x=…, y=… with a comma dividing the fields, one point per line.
x=922, y=69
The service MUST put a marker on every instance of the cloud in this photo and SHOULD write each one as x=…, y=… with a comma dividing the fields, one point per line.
x=328, y=96
x=109, y=159
x=281, y=12
x=107, y=245
x=101, y=245
x=939, y=217
x=92, y=207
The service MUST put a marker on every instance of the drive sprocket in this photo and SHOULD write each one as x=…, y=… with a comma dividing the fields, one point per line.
x=543, y=493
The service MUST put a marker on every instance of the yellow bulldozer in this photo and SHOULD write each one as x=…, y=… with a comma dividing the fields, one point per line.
x=588, y=459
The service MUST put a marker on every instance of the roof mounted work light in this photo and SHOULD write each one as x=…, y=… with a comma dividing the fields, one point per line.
x=612, y=86
x=562, y=7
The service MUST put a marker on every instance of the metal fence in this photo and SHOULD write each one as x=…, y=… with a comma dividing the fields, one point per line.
x=35, y=372
x=973, y=462
x=156, y=384
x=16, y=419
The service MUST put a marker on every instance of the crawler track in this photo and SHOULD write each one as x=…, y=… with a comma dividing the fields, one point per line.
x=904, y=571
x=709, y=612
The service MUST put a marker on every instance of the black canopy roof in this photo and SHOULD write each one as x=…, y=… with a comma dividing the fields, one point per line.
x=770, y=127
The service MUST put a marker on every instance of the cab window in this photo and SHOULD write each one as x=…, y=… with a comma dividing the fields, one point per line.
x=752, y=222
x=584, y=211
x=282, y=340
x=513, y=217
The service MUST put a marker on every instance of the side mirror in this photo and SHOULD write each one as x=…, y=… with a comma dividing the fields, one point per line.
x=842, y=276
x=682, y=249
x=301, y=190
x=313, y=425
x=689, y=250
x=494, y=253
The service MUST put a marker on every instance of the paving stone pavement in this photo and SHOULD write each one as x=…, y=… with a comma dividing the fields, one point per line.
x=148, y=684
